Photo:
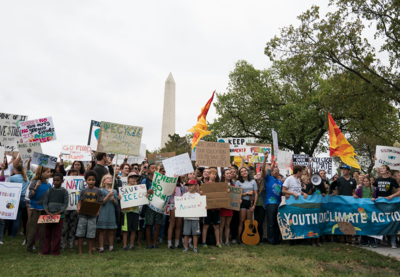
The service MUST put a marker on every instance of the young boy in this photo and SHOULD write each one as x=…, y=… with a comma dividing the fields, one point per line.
x=55, y=203
x=87, y=223
x=130, y=221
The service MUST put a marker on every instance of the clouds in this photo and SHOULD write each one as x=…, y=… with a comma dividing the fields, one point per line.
x=108, y=60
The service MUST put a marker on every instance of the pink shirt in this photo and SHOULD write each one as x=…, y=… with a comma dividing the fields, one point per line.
x=178, y=192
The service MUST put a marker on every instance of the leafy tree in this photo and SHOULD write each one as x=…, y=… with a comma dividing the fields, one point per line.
x=176, y=144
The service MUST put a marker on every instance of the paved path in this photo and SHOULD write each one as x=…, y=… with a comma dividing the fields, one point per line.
x=386, y=250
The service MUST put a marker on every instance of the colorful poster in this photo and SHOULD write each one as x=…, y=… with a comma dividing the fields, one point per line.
x=94, y=132
x=119, y=139
x=27, y=149
x=284, y=162
x=44, y=160
x=189, y=206
x=74, y=185
x=10, y=194
x=41, y=130
x=193, y=154
x=255, y=153
x=236, y=145
x=322, y=163
x=338, y=215
x=9, y=126
x=76, y=152
x=163, y=188
x=386, y=155
x=124, y=181
x=179, y=165
x=134, y=196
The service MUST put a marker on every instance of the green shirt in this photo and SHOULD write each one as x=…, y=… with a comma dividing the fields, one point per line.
x=367, y=192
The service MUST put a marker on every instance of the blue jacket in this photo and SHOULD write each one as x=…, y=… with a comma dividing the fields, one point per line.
x=18, y=179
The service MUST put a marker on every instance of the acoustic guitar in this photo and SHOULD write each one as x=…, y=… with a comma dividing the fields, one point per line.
x=250, y=234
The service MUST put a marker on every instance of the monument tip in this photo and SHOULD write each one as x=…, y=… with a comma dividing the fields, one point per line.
x=170, y=79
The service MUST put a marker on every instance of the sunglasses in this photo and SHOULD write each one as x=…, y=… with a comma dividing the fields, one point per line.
x=136, y=168
x=145, y=167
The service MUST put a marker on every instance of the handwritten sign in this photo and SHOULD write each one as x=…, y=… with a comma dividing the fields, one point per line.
x=236, y=145
x=189, y=206
x=76, y=152
x=41, y=130
x=300, y=159
x=74, y=185
x=10, y=194
x=9, y=125
x=235, y=195
x=275, y=141
x=44, y=160
x=284, y=162
x=163, y=188
x=214, y=154
x=386, y=155
x=134, y=196
x=2, y=150
x=94, y=133
x=178, y=165
x=157, y=159
x=142, y=155
x=119, y=139
x=27, y=149
x=322, y=163
x=217, y=195
x=49, y=219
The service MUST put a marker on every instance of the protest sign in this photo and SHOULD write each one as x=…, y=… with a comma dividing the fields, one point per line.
x=255, y=153
x=157, y=159
x=338, y=215
x=235, y=195
x=27, y=149
x=76, y=152
x=44, y=160
x=134, y=196
x=119, y=139
x=217, y=195
x=190, y=206
x=300, y=159
x=41, y=130
x=284, y=162
x=10, y=194
x=74, y=185
x=49, y=219
x=2, y=150
x=214, y=154
x=275, y=142
x=179, y=165
x=10, y=126
x=163, y=188
x=9, y=144
x=386, y=155
x=90, y=208
x=236, y=145
x=142, y=155
x=193, y=155
x=322, y=163
x=94, y=132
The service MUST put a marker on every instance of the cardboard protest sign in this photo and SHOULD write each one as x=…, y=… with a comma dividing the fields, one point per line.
x=189, y=206
x=163, y=188
x=157, y=159
x=76, y=152
x=74, y=185
x=255, y=153
x=214, y=154
x=44, y=160
x=27, y=149
x=94, y=132
x=134, y=196
x=275, y=142
x=119, y=139
x=41, y=130
x=236, y=145
x=49, y=219
x=386, y=155
x=235, y=195
x=217, y=195
x=322, y=163
x=10, y=194
x=2, y=150
x=301, y=159
x=284, y=161
x=9, y=126
x=89, y=208
x=178, y=165
x=12, y=153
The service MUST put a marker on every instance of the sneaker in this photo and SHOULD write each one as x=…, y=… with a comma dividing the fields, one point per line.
x=149, y=247
x=219, y=246
x=394, y=246
x=21, y=234
x=24, y=242
x=227, y=244
x=159, y=240
x=1, y=242
x=101, y=251
x=373, y=245
x=195, y=250
x=131, y=248
x=85, y=242
x=190, y=245
x=171, y=247
x=234, y=241
x=185, y=250
x=221, y=243
x=111, y=250
x=205, y=246
x=155, y=246
x=314, y=245
x=124, y=248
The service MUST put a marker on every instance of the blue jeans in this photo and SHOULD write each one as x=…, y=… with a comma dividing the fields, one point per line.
x=2, y=223
x=22, y=206
x=366, y=239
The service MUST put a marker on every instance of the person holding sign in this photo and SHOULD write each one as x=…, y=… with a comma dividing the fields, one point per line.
x=225, y=214
x=55, y=203
x=175, y=222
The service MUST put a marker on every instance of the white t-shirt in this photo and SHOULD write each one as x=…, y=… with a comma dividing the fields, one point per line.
x=293, y=185
x=191, y=195
x=8, y=171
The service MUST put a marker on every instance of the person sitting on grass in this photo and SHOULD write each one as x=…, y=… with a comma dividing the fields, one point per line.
x=87, y=223
x=130, y=219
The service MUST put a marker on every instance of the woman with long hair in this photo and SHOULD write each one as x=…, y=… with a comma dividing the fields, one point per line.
x=259, y=212
x=225, y=214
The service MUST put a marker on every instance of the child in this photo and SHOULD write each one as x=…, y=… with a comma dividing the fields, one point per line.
x=131, y=217
x=106, y=219
x=55, y=203
x=87, y=223
x=175, y=222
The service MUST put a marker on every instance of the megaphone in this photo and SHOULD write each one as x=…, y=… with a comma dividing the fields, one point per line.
x=316, y=179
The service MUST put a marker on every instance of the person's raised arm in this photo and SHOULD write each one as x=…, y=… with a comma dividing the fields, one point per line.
x=310, y=167
x=242, y=162
x=264, y=164
x=16, y=161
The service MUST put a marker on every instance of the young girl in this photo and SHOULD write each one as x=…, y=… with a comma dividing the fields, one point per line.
x=106, y=219
x=259, y=212
x=175, y=222
x=225, y=214
x=37, y=190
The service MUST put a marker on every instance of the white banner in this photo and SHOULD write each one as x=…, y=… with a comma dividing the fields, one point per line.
x=163, y=188
x=94, y=132
x=134, y=196
x=10, y=194
x=189, y=206
x=74, y=185
x=285, y=158
x=124, y=181
x=76, y=152
x=322, y=163
x=44, y=160
x=26, y=150
x=389, y=156
x=275, y=141
x=41, y=130
x=9, y=126
x=193, y=155
x=236, y=145
x=178, y=165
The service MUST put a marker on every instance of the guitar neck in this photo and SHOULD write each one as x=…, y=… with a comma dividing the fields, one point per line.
x=251, y=213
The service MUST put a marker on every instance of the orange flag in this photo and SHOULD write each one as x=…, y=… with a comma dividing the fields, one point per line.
x=339, y=146
x=200, y=129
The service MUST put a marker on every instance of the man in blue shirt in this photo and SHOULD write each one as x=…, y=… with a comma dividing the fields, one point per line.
x=271, y=199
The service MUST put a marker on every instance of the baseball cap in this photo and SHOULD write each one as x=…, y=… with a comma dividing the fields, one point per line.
x=191, y=182
x=132, y=174
x=345, y=167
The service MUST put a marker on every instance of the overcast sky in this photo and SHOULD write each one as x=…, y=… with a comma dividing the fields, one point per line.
x=108, y=60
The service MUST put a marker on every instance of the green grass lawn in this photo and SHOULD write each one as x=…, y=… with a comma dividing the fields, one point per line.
x=282, y=260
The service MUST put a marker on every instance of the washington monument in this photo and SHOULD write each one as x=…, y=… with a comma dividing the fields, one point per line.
x=168, y=122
